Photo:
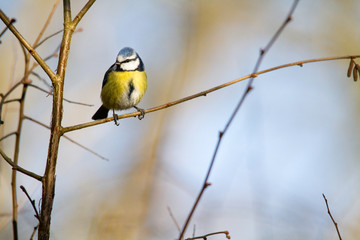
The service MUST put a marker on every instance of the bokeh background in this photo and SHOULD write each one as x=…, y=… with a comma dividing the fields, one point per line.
x=297, y=135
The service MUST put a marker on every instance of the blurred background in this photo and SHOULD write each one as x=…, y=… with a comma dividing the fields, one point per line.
x=296, y=136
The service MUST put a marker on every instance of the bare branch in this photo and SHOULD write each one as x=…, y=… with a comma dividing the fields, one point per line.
x=26, y=44
x=203, y=93
x=82, y=12
x=8, y=135
x=332, y=219
x=71, y=140
x=13, y=20
x=46, y=24
x=18, y=168
x=174, y=220
x=66, y=100
x=48, y=37
x=31, y=201
x=211, y=234
x=34, y=231
x=221, y=134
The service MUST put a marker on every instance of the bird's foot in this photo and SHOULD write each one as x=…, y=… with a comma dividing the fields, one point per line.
x=142, y=112
x=116, y=118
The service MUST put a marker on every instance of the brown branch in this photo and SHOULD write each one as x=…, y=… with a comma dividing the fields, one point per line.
x=203, y=93
x=174, y=220
x=211, y=234
x=46, y=24
x=26, y=44
x=13, y=20
x=222, y=133
x=332, y=219
x=41, y=79
x=66, y=100
x=18, y=168
x=48, y=37
x=8, y=135
x=31, y=201
x=70, y=139
x=82, y=12
x=34, y=231
x=48, y=186
x=12, y=100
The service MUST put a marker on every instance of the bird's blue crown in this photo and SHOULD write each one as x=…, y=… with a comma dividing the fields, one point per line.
x=126, y=52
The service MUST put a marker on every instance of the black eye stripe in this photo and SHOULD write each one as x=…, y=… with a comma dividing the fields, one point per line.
x=129, y=60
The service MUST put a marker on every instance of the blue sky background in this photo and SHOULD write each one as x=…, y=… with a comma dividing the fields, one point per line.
x=296, y=136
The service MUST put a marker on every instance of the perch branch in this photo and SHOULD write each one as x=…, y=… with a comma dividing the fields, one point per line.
x=203, y=93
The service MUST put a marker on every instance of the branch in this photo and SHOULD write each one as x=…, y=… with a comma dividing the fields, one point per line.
x=332, y=219
x=48, y=37
x=71, y=140
x=203, y=93
x=31, y=201
x=222, y=133
x=210, y=234
x=66, y=100
x=8, y=135
x=18, y=168
x=26, y=44
x=34, y=231
x=82, y=12
x=13, y=20
x=174, y=220
x=36, y=43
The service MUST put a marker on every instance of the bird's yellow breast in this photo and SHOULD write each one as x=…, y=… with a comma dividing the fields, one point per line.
x=123, y=89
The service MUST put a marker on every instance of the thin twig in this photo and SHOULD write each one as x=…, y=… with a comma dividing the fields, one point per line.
x=18, y=168
x=42, y=79
x=203, y=93
x=12, y=100
x=66, y=100
x=26, y=44
x=13, y=20
x=48, y=37
x=222, y=133
x=173, y=218
x=34, y=231
x=210, y=234
x=36, y=43
x=71, y=140
x=8, y=135
x=332, y=219
x=31, y=201
x=82, y=12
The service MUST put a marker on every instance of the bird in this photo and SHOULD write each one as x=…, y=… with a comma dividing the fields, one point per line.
x=124, y=84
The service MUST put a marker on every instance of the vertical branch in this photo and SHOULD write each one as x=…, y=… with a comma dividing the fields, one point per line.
x=332, y=219
x=16, y=160
x=242, y=99
x=48, y=187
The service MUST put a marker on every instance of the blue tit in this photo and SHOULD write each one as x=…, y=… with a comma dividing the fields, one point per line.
x=124, y=85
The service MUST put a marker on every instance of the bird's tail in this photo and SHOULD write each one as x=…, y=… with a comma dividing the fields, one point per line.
x=101, y=113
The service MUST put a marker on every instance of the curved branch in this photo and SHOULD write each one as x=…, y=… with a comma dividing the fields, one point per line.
x=18, y=168
x=203, y=93
x=26, y=44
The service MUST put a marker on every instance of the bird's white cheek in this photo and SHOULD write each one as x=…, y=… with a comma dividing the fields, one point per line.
x=130, y=66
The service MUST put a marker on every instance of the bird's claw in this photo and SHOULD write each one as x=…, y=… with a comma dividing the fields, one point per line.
x=142, y=112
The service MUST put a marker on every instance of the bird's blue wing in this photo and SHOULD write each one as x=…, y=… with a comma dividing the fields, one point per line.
x=112, y=68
